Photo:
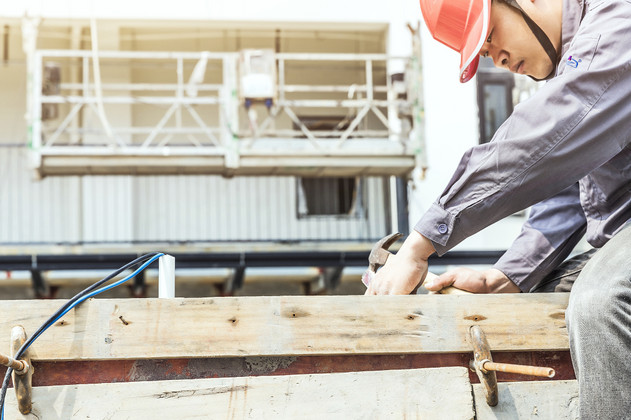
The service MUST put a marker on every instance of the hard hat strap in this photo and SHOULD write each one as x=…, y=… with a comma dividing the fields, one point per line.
x=540, y=35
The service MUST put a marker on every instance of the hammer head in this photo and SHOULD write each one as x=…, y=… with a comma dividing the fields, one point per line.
x=379, y=253
x=482, y=351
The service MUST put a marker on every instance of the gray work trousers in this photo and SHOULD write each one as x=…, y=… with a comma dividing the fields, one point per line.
x=598, y=319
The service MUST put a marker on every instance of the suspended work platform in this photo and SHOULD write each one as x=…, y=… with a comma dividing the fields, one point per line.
x=123, y=112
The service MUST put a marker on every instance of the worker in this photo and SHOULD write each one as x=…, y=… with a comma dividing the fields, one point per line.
x=566, y=152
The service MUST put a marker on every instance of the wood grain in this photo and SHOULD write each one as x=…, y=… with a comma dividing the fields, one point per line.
x=282, y=326
x=443, y=393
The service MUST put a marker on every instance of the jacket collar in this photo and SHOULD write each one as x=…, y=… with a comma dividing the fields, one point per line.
x=573, y=12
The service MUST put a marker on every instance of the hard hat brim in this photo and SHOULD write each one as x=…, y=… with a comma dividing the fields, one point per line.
x=475, y=36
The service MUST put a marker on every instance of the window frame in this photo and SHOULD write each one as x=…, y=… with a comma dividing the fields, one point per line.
x=492, y=76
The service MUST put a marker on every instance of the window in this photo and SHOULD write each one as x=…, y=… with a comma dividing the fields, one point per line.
x=495, y=98
x=329, y=197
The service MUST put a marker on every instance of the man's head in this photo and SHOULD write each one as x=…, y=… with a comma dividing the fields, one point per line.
x=523, y=36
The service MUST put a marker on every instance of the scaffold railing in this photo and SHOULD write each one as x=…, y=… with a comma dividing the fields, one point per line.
x=133, y=112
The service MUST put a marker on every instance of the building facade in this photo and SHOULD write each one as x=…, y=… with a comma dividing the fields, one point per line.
x=130, y=123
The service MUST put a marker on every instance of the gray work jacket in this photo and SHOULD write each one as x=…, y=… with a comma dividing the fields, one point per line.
x=566, y=148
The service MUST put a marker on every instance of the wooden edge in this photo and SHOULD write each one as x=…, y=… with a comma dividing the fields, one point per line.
x=104, y=329
x=417, y=393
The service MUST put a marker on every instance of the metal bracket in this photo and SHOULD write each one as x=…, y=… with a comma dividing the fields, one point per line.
x=22, y=381
x=234, y=281
x=139, y=287
x=330, y=277
x=40, y=287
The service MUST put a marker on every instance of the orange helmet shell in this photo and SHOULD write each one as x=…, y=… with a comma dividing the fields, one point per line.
x=462, y=25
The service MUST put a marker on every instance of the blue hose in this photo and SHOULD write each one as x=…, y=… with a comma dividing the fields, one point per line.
x=81, y=299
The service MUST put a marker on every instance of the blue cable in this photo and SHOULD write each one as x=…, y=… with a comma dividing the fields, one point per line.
x=82, y=299
x=96, y=292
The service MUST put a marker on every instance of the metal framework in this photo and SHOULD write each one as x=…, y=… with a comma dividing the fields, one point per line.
x=106, y=261
x=204, y=127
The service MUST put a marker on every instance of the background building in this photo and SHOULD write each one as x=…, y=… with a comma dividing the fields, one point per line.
x=234, y=126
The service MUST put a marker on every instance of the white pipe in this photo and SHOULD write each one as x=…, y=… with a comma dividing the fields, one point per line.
x=75, y=43
x=166, y=277
x=197, y=76
x=98, y=91
x=140, y=86
x=33, y=91
x=223, y=55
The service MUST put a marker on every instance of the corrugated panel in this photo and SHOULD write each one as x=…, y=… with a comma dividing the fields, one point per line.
x=107, y=208
x=35, y=211
x=168, y=208
x=244, y=208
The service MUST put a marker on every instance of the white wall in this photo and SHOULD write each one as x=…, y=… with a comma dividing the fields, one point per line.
x=329, y=11
x=125, y=209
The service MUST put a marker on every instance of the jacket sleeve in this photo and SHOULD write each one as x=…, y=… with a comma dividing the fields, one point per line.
x=552, y=230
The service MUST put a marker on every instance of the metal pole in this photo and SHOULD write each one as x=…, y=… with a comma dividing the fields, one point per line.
x=402, y=205
x=369, y=87
x=394, y=214
x=281, y=79
x=179, y=91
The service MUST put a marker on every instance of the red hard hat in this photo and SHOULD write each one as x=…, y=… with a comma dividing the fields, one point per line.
x=462, y=25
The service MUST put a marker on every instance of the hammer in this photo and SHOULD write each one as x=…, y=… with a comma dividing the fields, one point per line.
x=379, y=255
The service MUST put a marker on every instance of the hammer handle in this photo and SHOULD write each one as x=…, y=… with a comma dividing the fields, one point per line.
x=545, y=372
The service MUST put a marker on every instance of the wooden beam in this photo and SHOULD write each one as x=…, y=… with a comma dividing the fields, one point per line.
x=130, y=370
x=525, y=400
x=443, y=393
x=105, y=329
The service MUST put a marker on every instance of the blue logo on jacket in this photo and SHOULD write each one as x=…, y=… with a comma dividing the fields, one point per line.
x=573, y=62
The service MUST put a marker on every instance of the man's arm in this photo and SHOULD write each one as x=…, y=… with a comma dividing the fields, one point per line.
x=403, y=272
x=552, y=230
x=576, y=123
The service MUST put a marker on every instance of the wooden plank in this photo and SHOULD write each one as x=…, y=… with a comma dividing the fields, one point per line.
x=288, y=326
x=525, y=400
x=443, y=393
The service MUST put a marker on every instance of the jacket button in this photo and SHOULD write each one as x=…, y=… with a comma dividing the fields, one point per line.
x=442, y=228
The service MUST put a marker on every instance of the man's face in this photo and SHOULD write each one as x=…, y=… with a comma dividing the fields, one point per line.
x=512, y=45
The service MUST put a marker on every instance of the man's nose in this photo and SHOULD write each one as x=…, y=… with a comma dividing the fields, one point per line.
x=500, y=59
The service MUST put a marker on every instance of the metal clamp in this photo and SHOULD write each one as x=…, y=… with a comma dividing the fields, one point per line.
x=22, y=371
x=485, y=368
